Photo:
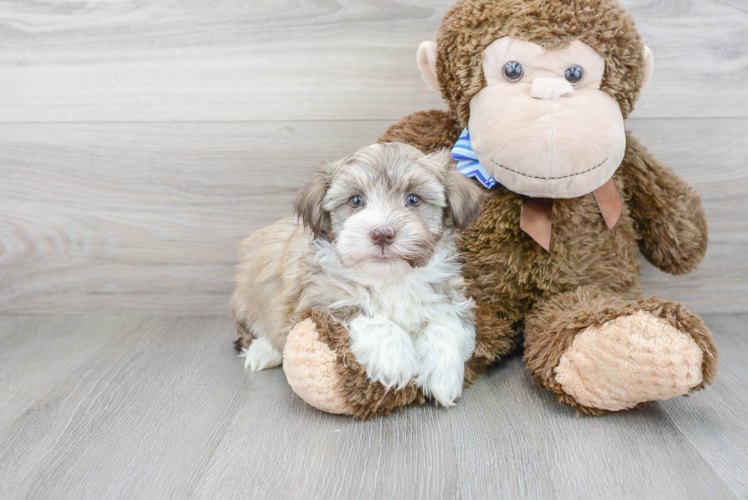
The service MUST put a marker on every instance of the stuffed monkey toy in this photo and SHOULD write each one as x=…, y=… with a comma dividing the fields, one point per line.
x=538, y=91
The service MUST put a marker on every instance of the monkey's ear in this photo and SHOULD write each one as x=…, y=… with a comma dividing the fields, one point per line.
x=464, y=197
x=308, y=205
x=426, y=59
x=649, y=64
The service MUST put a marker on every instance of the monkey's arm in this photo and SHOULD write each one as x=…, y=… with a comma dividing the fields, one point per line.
x=667, y=212
x=425, y=130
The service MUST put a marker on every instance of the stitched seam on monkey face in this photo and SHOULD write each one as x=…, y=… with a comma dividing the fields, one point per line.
x=552, y=134
x=549, y=178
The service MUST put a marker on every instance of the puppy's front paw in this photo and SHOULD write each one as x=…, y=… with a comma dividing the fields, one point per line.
x=442, y=380
x=385, y=350
x=441, y=352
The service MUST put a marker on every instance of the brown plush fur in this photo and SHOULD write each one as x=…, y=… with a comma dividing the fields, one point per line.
x=667, y=212
x=494, y=339
x=426, y=130
x=507, y=272
x=591, y=274
x=507, y=269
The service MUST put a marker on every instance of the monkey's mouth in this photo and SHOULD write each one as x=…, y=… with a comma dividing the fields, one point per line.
x=549, y=178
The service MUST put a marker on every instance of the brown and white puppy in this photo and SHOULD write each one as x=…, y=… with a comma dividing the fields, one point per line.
x=376, y=247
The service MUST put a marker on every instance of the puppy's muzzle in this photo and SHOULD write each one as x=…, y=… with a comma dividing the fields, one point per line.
x=382, y=236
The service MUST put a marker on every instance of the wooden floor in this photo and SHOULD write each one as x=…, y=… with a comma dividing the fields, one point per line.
x=160, y=407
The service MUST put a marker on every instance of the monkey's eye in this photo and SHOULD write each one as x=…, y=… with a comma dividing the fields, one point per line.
x=357, y=201
x=412, y=200
x=513, y=71
x=574, y=74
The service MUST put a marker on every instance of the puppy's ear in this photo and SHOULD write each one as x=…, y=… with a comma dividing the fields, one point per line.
x=308, y=206
x=464, y=197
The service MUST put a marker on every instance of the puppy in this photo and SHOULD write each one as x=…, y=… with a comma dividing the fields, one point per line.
x=376, y=246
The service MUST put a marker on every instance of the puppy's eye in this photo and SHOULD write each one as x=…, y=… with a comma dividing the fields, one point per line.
x=574, y=74
x=412, y=200
x=357, y=201
x=513, y=71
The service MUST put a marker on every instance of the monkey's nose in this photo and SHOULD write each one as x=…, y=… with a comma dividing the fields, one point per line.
x=382, y=235
x=550, y=88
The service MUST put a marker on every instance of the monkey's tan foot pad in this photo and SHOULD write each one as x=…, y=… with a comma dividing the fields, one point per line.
x=324, y=372
x=629, y=360
x=311, y=370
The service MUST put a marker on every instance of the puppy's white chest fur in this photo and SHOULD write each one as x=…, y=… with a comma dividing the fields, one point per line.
x=400, y=303
x=418, y=298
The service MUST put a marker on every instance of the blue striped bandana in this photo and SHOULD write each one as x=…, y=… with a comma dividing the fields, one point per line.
x=467, y=161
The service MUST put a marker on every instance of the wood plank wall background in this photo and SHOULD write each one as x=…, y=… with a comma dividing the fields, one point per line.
x=141, y=140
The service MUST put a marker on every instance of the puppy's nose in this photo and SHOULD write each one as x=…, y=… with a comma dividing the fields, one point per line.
x=382, y=235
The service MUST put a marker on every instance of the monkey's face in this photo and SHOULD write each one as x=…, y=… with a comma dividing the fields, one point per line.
x=542, y=127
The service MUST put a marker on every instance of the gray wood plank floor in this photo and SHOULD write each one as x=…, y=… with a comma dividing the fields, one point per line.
x=160, y=407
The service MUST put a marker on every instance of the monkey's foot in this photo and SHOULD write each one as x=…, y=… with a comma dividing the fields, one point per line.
x=311, y=369
x=632, y=359
x=323, y=371
x=627, y=354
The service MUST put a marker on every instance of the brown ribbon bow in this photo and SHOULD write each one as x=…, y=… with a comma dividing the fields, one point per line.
x=536, y=215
